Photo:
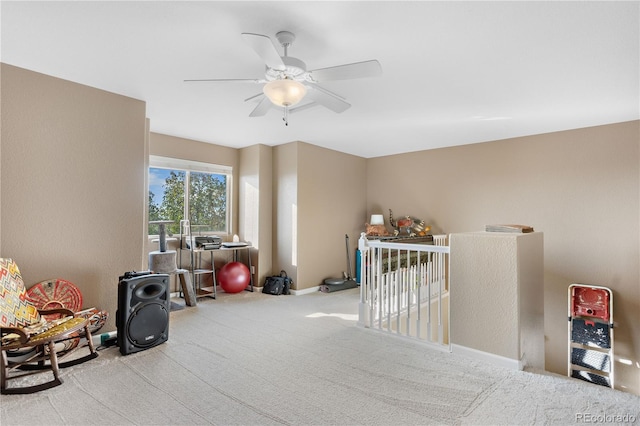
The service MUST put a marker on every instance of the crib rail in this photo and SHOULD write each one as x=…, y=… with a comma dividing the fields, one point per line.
x=404, y=289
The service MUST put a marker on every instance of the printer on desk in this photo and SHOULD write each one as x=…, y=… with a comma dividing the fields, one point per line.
x=204, y=242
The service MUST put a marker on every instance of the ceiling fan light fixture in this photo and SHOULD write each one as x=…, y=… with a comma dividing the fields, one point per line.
x=285, y=92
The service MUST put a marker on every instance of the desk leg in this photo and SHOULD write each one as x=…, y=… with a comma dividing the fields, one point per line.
x=214, y=280
x=250, y=288
x=235, y=259
x=250, y=271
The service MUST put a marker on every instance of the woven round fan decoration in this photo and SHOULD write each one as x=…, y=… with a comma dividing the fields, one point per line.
x=58, y=293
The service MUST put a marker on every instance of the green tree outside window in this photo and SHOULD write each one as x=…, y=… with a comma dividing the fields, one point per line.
x=203, y=194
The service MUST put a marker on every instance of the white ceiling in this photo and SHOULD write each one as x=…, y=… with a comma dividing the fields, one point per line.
x=453, y=72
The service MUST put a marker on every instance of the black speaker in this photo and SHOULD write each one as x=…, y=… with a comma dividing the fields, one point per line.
x=142, y=318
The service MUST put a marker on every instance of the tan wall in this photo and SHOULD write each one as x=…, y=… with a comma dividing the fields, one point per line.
x=255, y=212
x=72, y=185
x=285, y=205
x=497, y=296
x=580, y=187
x=319, y=197
x=331, y=203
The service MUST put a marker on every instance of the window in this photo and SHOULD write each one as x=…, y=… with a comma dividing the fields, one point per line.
x=181, y=189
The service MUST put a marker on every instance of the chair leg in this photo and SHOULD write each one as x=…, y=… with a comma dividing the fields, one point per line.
x=41, y=364
x=91, y=355
x=53, y=357
x=4, y=372
x=92, y=351
x=54, y=365
x=87, y=333
x=5, y=390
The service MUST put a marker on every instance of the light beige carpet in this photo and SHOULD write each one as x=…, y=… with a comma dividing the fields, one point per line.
x=254, y=359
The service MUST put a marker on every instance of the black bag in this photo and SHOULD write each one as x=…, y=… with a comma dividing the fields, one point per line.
x=277, y=284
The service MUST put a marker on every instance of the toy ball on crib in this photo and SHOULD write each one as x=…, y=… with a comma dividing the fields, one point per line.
x=234, y=277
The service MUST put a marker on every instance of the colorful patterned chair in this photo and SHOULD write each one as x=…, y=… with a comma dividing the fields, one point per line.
x=22, y=325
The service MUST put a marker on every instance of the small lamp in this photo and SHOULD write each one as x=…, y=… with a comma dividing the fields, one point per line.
x=285, y=92
x=377, y=219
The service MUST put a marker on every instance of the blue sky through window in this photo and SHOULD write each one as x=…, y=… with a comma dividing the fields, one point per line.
x=157, y=178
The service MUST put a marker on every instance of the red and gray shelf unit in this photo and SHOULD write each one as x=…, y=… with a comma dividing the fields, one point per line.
x=590, y=355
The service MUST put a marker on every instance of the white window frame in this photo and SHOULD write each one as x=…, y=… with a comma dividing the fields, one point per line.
x=156, y=161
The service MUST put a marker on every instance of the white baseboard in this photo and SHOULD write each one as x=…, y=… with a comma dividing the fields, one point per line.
x=259, y=290
x=305, y=291
x=487, y=357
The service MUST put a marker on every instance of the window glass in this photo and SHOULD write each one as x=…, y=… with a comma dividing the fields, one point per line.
x=207, y=202
x=183, y=191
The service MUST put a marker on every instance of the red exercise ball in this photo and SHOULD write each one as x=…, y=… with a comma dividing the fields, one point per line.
x=234, y=277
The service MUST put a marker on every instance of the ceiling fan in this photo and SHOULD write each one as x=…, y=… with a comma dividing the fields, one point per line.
x=287, y=81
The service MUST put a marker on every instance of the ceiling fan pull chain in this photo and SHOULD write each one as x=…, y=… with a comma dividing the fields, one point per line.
x=285, y=118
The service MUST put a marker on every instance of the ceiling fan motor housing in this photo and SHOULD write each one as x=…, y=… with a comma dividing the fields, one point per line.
x=294, y=70
x=285, y=38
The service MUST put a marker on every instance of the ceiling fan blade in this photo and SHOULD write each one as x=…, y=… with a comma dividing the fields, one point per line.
x=303, y=107
x=254, y=97
x=237, y=80
x=370, y=68
x=263, y=106
x=326, y=98
x=264, y=47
